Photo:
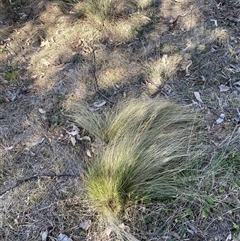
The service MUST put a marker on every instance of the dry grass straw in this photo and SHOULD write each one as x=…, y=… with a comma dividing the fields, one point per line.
x=147, y=145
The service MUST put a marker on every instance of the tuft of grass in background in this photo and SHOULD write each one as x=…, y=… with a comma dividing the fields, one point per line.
x=12, y=74
x=105, y=10
x=161, y=70
x=147, y=149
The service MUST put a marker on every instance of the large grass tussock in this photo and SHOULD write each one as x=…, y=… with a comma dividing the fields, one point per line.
x=147, y=148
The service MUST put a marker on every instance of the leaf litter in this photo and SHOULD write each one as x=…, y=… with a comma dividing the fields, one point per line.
x=197, y=96
x=224, y=88
x=74, y=135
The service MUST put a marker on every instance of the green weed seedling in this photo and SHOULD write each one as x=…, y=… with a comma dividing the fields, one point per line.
x=12, y=75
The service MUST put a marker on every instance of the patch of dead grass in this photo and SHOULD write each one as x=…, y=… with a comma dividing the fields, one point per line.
x=161, y=70
x=115, y=68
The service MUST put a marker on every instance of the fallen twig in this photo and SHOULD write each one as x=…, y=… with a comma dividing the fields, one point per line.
x=96, y=80
x=36, y=176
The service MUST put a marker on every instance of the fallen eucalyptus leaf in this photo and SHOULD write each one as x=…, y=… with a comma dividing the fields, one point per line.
x=88, y=153
x=74, y=127
x=197, y=96
x=44, y=235
x=224, y=88
x=8, y=148
x=38, y=142
x=85, y=225
x=220, y=119
x=73, y=133
x=192, y=229
x=63, y=237
x=73, y=140
x=203, y=78
x=84, y=138
x=42, y=111
x=99, y=104
x=229, y=237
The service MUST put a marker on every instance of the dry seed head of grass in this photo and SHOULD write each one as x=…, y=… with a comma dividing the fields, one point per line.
x=146, y=150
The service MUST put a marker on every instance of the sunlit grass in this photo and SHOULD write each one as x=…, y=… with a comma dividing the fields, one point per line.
x=161, y=70
x=102, y=10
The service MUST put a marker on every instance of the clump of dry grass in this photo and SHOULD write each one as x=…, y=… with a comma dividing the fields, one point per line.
x=102, y=10
x=147, y=145
x=162, y=69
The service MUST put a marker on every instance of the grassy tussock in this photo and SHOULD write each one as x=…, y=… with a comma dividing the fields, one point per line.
x=161, y=70
x=102, y=10
x=146, y=149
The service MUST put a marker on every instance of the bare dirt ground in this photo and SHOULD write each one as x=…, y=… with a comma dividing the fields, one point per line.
x=53, y=55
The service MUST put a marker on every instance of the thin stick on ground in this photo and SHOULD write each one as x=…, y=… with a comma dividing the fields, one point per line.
x=96, y=81
x=36, y=176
